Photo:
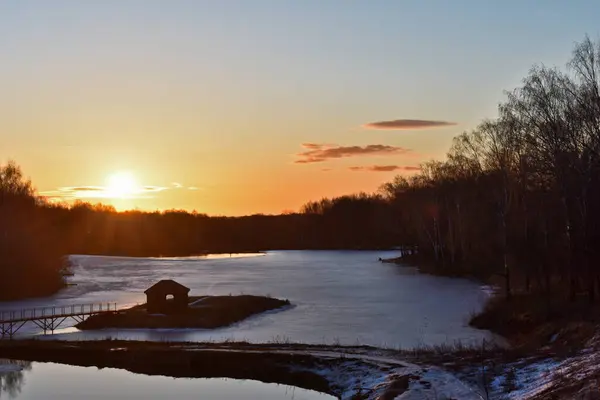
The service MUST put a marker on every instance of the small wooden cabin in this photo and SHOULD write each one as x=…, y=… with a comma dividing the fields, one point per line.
x=167, y=297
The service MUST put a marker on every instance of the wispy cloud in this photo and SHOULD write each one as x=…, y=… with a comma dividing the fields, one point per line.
x=100, y=192
x=385, y=168
x=153, y=189
x=312, y=146
x=403, y=124
x=177, y=185
x=315, y=152
x=83, y=188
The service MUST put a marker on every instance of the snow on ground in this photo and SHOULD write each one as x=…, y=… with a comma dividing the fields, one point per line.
x=523, y=380
x=408, y=381
x=436, y=383
x=528, y=379
x=373, y=373
x=581, y=370
x=351, y=377
x=533, y=379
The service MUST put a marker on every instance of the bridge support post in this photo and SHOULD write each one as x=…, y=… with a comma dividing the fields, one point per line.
x=10, y=329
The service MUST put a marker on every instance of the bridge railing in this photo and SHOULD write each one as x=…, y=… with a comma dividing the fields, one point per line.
x=57, y=311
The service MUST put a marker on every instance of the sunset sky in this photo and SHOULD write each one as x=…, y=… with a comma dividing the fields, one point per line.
x=257, y=106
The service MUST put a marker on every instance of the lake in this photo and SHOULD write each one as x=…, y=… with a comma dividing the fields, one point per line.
x=346, y=297
x=33, y=381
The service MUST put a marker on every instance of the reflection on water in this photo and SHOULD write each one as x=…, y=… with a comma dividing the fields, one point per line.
x=26, y=381
x=11, y=376
x=211, y=256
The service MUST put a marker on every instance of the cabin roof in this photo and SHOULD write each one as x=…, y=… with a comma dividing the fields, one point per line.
x=167, y=285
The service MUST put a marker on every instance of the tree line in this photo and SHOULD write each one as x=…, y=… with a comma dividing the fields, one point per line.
x=35, y=235
x=518, y=196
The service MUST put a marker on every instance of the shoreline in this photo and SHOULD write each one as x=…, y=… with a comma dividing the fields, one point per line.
x=346, y=372
x=341, y=371
x=426, y=266
x=525, y=321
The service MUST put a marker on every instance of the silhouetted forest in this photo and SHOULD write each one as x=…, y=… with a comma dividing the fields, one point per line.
x=517, y=196
x=37, y=234
x=520, y=194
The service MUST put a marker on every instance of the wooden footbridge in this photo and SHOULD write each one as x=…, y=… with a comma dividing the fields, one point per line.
x=50, y=318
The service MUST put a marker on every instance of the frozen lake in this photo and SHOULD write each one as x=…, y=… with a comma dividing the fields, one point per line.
x=346, y=297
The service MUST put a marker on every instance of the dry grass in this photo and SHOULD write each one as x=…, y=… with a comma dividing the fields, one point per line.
x=534, y=321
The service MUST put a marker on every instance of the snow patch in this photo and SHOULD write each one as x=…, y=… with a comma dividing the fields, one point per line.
x=524, y=380
x=435, y=383
x=546, y=376
x=373, y=374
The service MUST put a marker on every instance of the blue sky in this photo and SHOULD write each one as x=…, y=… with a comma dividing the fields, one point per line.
x=220, y=93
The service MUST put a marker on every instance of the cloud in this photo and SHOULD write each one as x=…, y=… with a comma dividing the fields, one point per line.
x=99, y=192
x=315, y=152
x=177, y=185
x=313, y=146
x=81, y=189
x=385, y=168
x=403, y=124
x=153, y=189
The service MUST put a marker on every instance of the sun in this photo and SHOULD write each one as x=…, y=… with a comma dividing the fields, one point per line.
x=121, y=185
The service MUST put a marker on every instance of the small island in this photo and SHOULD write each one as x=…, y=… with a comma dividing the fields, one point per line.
x=169, y=306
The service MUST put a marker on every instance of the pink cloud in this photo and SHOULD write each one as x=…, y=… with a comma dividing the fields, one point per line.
x=385, y=168
x=315, y=152
x=403, y=124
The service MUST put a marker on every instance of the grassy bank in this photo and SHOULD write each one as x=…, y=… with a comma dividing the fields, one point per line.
x=535, y=321
x=207, y=312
